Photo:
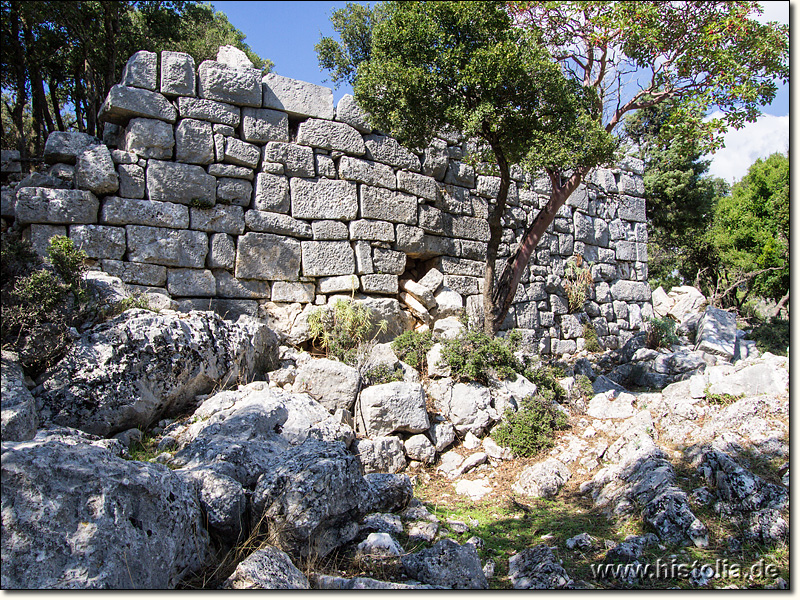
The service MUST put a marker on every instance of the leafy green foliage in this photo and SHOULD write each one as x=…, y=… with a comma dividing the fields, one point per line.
x=67, y=260
x=412, y=347
x=475, y=356
x=382, y=374
x=546, y=379
x=660, y=332
x=584, y=386
x=592, y=341
x=577, y=283
x=343, y=329
x=530, y=429
x=772, y=336
x=723, y=399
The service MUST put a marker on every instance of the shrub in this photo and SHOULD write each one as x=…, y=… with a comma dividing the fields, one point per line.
x=382, y=374
x=660, y=333
x=577, y=283
x=40, y=292
x=474, y=356
x=592, y=341
x=530, y=429
x=344, y=329
x=772, y=336
x=585, y=386
x=68, y=261
x=546, y=379
x=412, y=347
x=17, y=258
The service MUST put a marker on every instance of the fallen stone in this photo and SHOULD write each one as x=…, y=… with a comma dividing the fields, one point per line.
x=332, y=383
x=390, y=407
x=537, y=568
x=268, y=568
x=447, y=564
x=543, y=479
x=66, y=146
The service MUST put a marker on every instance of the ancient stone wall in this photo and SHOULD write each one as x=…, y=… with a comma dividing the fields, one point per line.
x=246, y=193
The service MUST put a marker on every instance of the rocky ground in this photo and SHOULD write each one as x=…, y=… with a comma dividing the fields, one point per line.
x=180, y=450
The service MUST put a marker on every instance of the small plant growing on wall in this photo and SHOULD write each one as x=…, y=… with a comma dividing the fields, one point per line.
x=344, y=330
x=577, y=282
x=660, y=333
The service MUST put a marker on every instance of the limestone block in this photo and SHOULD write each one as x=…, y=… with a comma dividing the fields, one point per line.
x=368, y=172
x=232, y=57
x=448, y=302
x=365, y=229
x=377, y=203
x=298, y=160
x=468, y=227
x=459, y=266
x=271, y=193
x=332, y=383
x=432, y=280
x=241, y=153
x=56, y=207
x=460, y=174
x=220, y=82
x=347, y=111
x=140, y=71
x=230, y=287
x=209, y=110
x=631, y=291
x=292, y=291
x=270, y=222
x=191, y=283
x=363, y=252
x=168, y=247
x=339, y=283
x=267, y=256
x=632, y=209
x=330, y=230
x=431, y=219
x=120, y=211
x=420, y=292
x=388, y=150
x=716, y=333
x=219, y=219
x=263, y=125
x=390, y=407
x=298, y=98
x=331, y=135
x=383, y=454
x=410, y=240
x=633, y=186
x=388, y=261
x=177, y=74
x=323, y=199
x=178, y=182
x=234, y=171
x=419, y=185
x=66, y=146
x=194, y=142
x=605, y=180
x=8, y=200
x=379, y=284
x=136, y=273
x=131, y=181
x=94, y=171
x=234, y=191
x=221, y=251
x=124, y=103
x=434, y=160
x=39, y=236
x=325, y=167
x=327, y=258
x=99, y=241
x=625, y=250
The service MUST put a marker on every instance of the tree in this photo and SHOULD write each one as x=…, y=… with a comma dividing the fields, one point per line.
x=751, y=233
x=700, y=55
x=463, y=64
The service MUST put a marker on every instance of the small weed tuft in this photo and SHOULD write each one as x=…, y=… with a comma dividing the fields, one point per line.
x=412, y=347
x=577, y=283
x=344, y=329
x=592, y=341
x=660, y=333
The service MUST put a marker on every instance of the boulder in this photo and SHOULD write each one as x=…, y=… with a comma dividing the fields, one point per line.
x=468, y=406
x=537, y=568
x=419, y=447
x=77, y=516
x=222, y=499
x=18, y=406
x=66, y=146
x=686, y=302
x=390, y=493
x=543, y=479
x=716, y=333
x=140, y=366
x=612, y=405
x=268, y=568
x=124, y=103
x=447, y=564
x=383, y=454
x=390, y=407
x=333, y=383
x=347, y=111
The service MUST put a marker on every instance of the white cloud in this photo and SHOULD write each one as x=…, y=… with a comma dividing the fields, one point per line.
x=767, y=135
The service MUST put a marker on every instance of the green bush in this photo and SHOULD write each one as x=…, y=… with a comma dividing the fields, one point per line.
x=772, y=336
x=412, y=347
x=40, y=292
x=17, y=258
x=68, y=261
x=381, y=374
x=592, y=341
x=475, y=356
x=585, y=386
x=546, y=379
x=343, y=330
x=530, y=429
x=660, y=333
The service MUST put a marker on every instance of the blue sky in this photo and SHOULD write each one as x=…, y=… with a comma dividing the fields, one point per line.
x=285, y=33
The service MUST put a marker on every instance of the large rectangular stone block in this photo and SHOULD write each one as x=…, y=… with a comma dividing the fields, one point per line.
x=270, y=222
x=219, y=219
x=124, y=103
x=168, y=247
x=365, y=171
x=328, y=258
x=178, y=182
x=632, y=209
x=194, y=142
x=293, y=291
x=209, y=110
x=388, y=261
x=225, y=84
x=140, y=70
x=385, y=149
x=229, y=286
x=272, y=193
x=263, y=125
x=238, y=192
x=177, y=74
x=419, y=185
x=387, y=205
x=55, y=207
x=631, y=291
x=39, y=236
x=191, y=282
x=297, y=160
x=379, y=284
x=131, y=181
x=298, y=98
x=331, y=135
x=380, y=231
x=316, y=199
x=716, y=333
x=221, y=251
x=122, y=211
x=136, y=273
x=99, y=241
x=468, y=227
x=267, y=256
x=149, y=138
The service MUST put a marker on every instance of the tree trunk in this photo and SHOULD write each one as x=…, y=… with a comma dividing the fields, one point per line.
x=780, y=306
x=506, y=288
x=53, y=84
x=22, y=93
x=491, y=324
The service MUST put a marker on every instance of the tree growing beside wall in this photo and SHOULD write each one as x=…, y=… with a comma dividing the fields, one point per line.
x=699, y=55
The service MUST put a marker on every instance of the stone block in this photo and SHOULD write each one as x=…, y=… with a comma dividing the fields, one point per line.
x=230, y=287
x=238, y=192
x=388, y=261
x=327, y=258
x=270, y=222
x=123, y=103
x=347, y=111
x=631, y=291
x=178, y=182
x=55, y=207
x=434, y=160
x=121, y=211
x=410, y=240
x=377, y=203
x=368, y=172
x=364, y=229
x=298, y=98
x=8, y=200
x=466, y=286
x=325, y=167
x=141, y=70
x=331, y=135
x=363, y=252
x=385, y=149
x=136, y=273
x=262, y=125
x=297, y=160
x=625, y=250
x=379, y=283
x=234, y=171
x=94, y=171
x=221, y=251
x=716, y=333
x=177, y=74
x=458, y=266
x=191, y=282
x=131, y=181
x=292, y=291
x=99, y=241
x=194, y=142
x=417, y=184
x=149, y=138
x=267, y=256
x=323, y=199
x=632, y=209
x=209, y=110
x=64, y=147
x=339, y=283
x=220, y=82
x=219, y=219
x=431, y=219
x=272, y=193
x=330, y=230
x=454, y=199
x=467, y=227
x=168, y=247
x=460, y=174
x=39, y=236
x=241, y=153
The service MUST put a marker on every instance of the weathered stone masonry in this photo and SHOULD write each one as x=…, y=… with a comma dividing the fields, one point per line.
x=247, y=194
